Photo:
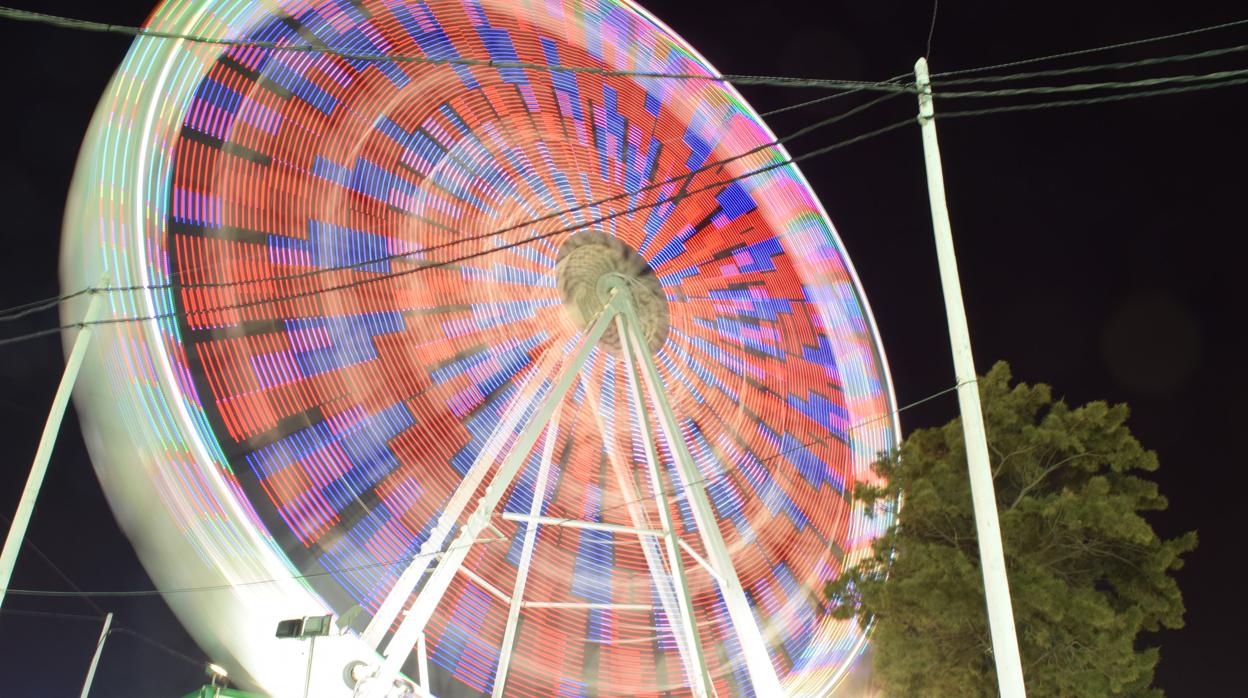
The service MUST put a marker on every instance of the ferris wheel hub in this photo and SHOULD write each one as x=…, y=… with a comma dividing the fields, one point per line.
x=590, y=266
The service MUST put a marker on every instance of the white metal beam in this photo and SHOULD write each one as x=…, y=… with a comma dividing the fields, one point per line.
x=430, y=595
x=43, y=455
x=481, y=582
x=753, y=645
x=664, y=586
x=699, y=559
x=526, y=555
x=422, y=659
x=592, y=606
x=577, y=523
x=402, y=590
x=699, y=677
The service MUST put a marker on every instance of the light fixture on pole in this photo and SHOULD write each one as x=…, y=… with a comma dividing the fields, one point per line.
x=306, y=628
x=216, y=673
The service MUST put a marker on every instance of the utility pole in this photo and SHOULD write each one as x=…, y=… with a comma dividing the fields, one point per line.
x=34, y=481
x=983, y=495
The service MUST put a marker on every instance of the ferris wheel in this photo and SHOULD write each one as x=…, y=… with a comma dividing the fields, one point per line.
x=550, y=381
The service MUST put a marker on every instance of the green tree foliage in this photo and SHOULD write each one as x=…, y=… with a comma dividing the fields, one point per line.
x=1087, y=573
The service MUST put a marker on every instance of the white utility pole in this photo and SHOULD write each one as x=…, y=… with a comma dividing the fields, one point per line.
x=34, y=481
x=95, y=659
x=983, y=495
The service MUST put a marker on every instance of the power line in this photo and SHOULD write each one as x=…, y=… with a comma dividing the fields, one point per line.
x=1149, y=82
x=49, y=614
x=481, y=253
x=140, y=593
x=687, y=177
x=146, y=32
x=931, y=30
x=160, y=645
x=1089, y=100
x=1202, y=82
x=823, y=99
x=20, y=311
x=27, y=542
x=33, y=307
x=1221, y=78
x=731, y=468
x=1097, y=49
x=823, y=123
x=115, y=629
x=1221, y=75
x=1097, y=67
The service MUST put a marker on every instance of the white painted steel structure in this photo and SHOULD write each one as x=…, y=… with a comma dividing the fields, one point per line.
x=670, y=583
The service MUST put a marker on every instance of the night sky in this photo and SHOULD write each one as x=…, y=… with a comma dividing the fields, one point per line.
x=1097, y=251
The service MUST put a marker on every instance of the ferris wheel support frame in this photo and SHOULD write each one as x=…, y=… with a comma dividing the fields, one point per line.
x=696, y=663
x=430, y=595
x=753, y=646
x=618, y=308
x=526, y=555
x=671, y=587
x=47, y=441
x=375, y=633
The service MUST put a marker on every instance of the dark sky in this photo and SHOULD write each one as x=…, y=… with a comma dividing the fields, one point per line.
x=1097, y=249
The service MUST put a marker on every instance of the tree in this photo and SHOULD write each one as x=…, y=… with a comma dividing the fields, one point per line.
x=1087, y=572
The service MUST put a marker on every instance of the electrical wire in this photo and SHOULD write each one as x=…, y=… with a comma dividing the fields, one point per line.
x=481, y=253
x=1098, y=67
x=1094, y=86
x=1219, y=77
x=1097, y=49
x=931, y=30
x=1205, y=81
x=673, y=496
x=20, y=311
x=1035, y=106
x=114, y=629
x=823, y=123
x=823, y=99
x=49, y=614
x=201, y=663
x=144, y=593
x=682, y=489
x=39, y=306
x=146, y=32
x=28, y=543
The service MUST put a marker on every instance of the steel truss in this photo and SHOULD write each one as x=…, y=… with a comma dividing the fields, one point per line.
x=661, y=544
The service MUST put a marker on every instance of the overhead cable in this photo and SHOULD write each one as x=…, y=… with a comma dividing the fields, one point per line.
x=1097, y=49
x=140, y=593
x=36, y=306
x=1221, y=75
x=50, y=614
x=147, y=32
x=481, y=253
x=1035, y=106
x=1098, y=67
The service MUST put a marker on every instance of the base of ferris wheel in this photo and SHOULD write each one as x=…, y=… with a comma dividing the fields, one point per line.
x=623, y=310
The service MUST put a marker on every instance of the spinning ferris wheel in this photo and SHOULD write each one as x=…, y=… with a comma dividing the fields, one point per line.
x=556, y=382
